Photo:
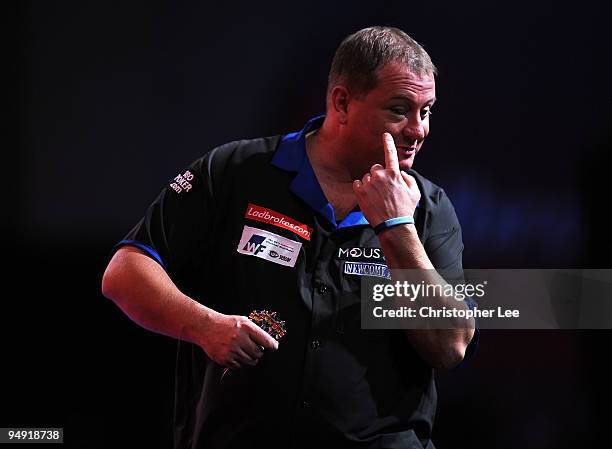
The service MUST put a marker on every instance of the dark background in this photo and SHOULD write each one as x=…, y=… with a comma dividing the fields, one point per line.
x=112, y=99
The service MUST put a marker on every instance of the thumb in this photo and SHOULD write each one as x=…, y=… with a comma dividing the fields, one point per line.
x=261, y=337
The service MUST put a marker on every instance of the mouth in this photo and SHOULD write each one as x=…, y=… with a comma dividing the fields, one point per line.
x=407, y=151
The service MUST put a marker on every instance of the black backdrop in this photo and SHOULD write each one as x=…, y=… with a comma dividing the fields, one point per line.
x=114, y=98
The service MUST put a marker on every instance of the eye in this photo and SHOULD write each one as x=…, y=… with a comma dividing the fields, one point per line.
x=398, y=110
x=426, y=112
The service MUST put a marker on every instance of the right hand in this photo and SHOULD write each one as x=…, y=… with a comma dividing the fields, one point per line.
x=235, y=341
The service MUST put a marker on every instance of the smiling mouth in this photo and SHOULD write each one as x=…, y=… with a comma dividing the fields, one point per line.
x=407, y=151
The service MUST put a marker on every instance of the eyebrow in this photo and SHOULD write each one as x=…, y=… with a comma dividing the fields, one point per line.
x=404, y=98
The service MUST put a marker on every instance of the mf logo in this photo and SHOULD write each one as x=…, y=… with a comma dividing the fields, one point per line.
x=254, y=245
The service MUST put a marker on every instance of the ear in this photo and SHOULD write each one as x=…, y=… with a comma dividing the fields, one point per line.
x=339, y=102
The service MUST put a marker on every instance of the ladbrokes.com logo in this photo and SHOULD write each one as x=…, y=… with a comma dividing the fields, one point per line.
x=265, y=215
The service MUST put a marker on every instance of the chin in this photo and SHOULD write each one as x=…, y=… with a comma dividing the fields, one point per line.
x=406, y=164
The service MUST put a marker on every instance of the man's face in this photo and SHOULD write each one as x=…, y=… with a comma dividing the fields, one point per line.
x=399, y=104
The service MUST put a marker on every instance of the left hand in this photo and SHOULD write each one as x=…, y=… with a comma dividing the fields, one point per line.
x=387, y=192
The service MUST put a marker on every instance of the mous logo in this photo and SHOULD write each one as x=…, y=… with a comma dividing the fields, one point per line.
x=254, y=245
x=360, y=253
x=265, y=215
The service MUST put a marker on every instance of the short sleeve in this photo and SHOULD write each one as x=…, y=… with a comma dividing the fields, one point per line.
x=444, y=247
x=176, y=225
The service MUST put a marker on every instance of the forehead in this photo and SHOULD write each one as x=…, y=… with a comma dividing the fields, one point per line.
x=397, y=79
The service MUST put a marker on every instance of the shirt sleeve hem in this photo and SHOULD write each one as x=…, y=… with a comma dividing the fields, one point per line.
x=473, y=345
x=144, y=247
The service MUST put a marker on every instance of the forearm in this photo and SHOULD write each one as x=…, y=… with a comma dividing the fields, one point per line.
x=442, y=348
x=146, y=294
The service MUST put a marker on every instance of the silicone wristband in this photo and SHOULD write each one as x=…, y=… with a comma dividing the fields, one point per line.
x=392, y=222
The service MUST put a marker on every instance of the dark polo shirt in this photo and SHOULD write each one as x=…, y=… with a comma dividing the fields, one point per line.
x=247, y=227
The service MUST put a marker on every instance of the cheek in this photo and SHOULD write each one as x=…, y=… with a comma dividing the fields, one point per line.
x=425, y=129
x=372, y=131
x=363, y=125
x=372, y=126
x=396, y=130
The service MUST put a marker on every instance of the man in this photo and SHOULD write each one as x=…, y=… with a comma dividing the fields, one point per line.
x=274, y=224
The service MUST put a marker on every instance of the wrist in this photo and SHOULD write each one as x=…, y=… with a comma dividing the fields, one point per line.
x=393, y=222
x=399, y=233
x=203, y=319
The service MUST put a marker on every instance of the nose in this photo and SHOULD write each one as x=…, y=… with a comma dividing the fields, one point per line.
x=414, y=130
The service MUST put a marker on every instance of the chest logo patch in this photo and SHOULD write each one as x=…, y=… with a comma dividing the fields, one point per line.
x=359, y=253
x=269, y=246
x=274, y=218
x=367, y=269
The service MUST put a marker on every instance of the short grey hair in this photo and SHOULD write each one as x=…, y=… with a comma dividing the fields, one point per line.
x=361, y=54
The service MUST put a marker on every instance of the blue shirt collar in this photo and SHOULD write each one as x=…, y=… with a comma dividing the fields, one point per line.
x=291, y=156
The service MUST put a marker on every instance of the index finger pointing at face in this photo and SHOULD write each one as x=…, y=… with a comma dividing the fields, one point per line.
x=391, y=161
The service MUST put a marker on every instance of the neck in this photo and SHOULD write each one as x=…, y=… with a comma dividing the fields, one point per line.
x=332, y=173
x=324, y=150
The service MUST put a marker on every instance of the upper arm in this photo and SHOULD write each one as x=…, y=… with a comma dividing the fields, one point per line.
x=127, y=263
x=176, y=226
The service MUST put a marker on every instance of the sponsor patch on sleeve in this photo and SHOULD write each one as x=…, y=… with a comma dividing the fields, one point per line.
x=265, y=215
x=184, y=182
x=269, y=246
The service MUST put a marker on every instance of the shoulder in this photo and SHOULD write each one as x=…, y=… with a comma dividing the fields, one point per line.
x=432, y=194
x=236, y=153
x=436, y=204
x=234, y=161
